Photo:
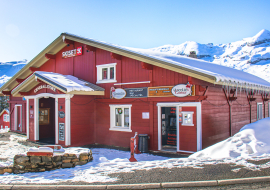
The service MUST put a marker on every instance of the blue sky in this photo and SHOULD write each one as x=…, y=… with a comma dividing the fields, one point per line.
x=28, y=26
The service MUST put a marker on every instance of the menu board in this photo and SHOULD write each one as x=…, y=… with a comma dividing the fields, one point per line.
x=136, y=92
x=44, y=116
x=160, y=91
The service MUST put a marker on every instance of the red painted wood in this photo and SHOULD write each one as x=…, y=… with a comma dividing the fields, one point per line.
x=40, y=154
x=50, y=56
x=33, y=69
x=8, y=93
x=70, y=42
x=19, y=80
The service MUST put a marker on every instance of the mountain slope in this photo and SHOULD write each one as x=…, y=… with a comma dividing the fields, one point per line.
x=251, y=54
x=8, y=69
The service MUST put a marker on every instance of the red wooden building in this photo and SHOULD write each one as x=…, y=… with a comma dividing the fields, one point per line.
x=81, y=91
x=4, y=119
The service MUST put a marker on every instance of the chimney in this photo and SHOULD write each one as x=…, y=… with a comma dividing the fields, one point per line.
x=193, y=54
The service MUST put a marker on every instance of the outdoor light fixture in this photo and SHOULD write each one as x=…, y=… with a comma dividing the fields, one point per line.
x=67, y=45
x=60, y=107
x=31, y=106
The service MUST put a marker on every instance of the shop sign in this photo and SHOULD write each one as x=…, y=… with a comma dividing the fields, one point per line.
x=136, y=92
x=72, y=53
x=182, y=90
x=160, y=91
x=118, y=93
x=44, y=86
x=61, y=114
x=61, y=131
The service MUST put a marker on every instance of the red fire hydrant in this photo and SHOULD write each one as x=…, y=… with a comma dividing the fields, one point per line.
x=132, y=158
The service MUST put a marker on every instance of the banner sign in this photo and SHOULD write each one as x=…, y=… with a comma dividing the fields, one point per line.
x=72, y=53
x=136, y=92
x=44, y=86
x=160, y=91
x=182, y=90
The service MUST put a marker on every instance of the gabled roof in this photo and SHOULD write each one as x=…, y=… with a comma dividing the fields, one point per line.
x=4, y=111
x=65, y=83
x=206, y=71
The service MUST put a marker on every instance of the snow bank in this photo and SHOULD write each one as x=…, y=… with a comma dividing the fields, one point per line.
x=4, y=130
x=251, y=141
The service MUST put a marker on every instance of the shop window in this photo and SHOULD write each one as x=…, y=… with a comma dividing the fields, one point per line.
x=120, y=118
x=6, y=118
x=106, y=73
x=259, y=111
x=187, y=119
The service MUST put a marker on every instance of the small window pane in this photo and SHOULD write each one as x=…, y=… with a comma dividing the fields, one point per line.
x=104, y=73
x=111, y=72
x=118, y=117
x=126, y=117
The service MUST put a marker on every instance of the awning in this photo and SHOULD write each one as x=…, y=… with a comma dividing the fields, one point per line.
x=67, y=84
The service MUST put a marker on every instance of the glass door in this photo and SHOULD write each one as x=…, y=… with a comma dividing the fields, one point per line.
x=168, y=128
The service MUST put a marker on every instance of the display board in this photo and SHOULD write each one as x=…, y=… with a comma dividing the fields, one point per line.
x=44, y=116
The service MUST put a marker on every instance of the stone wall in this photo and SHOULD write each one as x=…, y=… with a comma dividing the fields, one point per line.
x=23, y=164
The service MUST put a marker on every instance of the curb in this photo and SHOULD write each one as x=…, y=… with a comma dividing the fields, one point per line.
x=145, y=185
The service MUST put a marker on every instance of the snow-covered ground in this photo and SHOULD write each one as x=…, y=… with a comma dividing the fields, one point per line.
x=252, y=142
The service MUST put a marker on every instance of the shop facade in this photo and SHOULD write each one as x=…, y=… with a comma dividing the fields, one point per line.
x=79, y=91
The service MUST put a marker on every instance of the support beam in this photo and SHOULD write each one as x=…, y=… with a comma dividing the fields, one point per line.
x=7, y=93
x=33, y=69
x=230, y=112
x=116, y=56
x=50, y=56
x=146, y=66
x=90, y=48
x=69, y=42
x=19, y=80
x=23, y=93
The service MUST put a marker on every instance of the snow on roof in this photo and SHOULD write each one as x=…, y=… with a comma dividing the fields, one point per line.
x=221, y=73
x=224, y=75
x=69, y=82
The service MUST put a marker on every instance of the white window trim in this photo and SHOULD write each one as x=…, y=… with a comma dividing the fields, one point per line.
x=261, y=110
x=99, y=73
x=187, y=112
x=112, y=118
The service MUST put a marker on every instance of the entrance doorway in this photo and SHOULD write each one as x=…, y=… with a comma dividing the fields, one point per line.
x=18, y=118
x=46, y=120
x=168, y=128
x=179, y=127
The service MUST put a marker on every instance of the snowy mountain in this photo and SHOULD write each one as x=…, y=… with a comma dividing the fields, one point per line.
x=251, y=54
x=8, y=69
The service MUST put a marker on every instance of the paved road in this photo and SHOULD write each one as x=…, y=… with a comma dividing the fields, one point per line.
x=259, y=186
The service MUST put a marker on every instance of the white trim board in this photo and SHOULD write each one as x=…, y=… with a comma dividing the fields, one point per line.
x=177, y=105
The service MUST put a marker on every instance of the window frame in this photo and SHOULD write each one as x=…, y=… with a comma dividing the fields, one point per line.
x=259, y=103
x=187, y=124
x=99, y=73
x=112, y=118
